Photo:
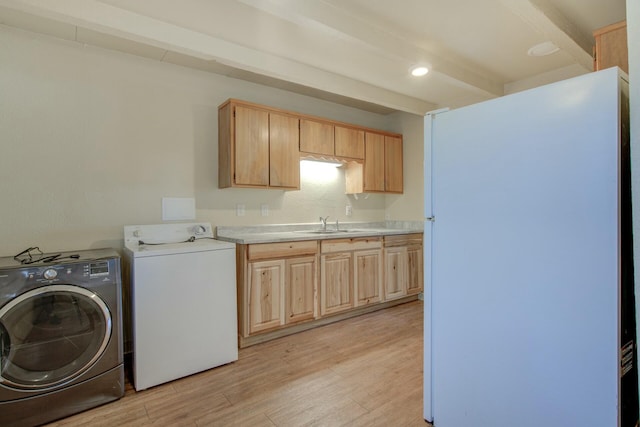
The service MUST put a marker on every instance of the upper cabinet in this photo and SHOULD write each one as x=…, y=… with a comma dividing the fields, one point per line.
x=611, y=47
x=284, y=156
x=318, y=138
x=261, y=147
x=349, y=142
x=257, y=147
x=250, y=147
x=382, y=170
x=373, y=179
x=393, y=164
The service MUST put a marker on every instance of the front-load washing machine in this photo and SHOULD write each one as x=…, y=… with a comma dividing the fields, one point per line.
x=60, y=334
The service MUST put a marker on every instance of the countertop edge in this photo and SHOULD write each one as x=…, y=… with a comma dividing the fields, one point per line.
x=301, y=235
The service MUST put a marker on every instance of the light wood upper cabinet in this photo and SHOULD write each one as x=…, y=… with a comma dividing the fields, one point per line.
x=332, y=140
x=611, y=47
x=349, y=142
x=261, y=147
x=393, y=165
x=382, y=171
x=373, y=162
x=257, y=147
x=251, y=154
x=316, y=137
x=284, y=157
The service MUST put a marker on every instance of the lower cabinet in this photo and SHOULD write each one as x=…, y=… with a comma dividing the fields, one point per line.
x=286, y=287
x=300, y=285
x=336, y=284
x=351, y=273
x=277, y=285
x=367, y=276
x=403, y=266
x=266, y=289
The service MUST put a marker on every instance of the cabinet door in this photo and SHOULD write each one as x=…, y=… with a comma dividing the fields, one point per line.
x=316, y=137
x=368, y=276
x=393, y=164
x=415, y=269
x=336, y=286
x=300, y=289
x=251, y=147
x=349, y=142
x=374, y=162
x=396, y=273
x=611, y=47
x=284, y=153
x=266, y=286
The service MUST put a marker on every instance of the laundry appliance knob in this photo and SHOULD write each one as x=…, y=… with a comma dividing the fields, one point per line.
x=50, y=274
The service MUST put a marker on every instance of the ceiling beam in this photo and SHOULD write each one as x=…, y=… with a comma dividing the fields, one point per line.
x=99, y=16
x=328, y=18
x=546, y=19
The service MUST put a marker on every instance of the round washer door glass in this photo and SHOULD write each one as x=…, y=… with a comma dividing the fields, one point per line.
x=50, y=335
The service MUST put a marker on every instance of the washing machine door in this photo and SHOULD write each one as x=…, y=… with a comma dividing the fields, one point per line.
x=50, y=335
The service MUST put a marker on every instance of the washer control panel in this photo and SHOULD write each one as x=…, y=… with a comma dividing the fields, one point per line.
x=50, y=274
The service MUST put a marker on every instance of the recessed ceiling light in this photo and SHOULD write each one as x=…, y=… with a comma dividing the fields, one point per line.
x=543, y=49
x=419, y=71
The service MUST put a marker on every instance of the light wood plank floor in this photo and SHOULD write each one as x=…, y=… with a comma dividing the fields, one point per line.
x=365, y=371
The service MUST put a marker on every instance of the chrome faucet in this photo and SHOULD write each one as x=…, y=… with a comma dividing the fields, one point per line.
x=324, y=222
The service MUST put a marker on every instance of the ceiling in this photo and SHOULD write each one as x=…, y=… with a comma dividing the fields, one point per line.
x=354, y=52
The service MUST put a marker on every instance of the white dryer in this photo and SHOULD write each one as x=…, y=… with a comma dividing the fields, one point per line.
x=183, y=289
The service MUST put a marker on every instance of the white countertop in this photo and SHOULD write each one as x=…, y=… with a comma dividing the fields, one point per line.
x=296, y=232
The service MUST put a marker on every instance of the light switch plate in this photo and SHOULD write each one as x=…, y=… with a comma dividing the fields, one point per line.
x=239, y=210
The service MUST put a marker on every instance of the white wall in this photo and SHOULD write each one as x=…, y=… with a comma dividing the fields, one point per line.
x=91, y=140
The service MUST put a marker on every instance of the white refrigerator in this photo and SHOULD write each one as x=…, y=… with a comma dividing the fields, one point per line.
x=529, y=315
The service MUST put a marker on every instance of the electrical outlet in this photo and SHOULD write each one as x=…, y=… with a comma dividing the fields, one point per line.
x=239, y=210
x=349, y=210
x=264, y=209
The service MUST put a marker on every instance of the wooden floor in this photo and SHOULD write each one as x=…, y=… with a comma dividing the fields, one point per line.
x=365, y=371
